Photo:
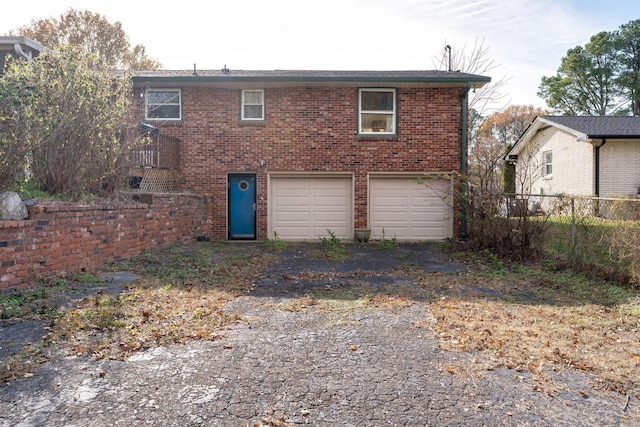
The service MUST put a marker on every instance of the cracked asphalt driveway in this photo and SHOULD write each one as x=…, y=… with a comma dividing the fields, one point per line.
x=295, y=364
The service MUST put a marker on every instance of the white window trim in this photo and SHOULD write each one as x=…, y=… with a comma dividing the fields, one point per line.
x=242, y=104
x=393, y=112
x=545, y=164
x=179, y=104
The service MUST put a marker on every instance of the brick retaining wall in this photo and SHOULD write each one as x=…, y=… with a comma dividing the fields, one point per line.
x=58, y=240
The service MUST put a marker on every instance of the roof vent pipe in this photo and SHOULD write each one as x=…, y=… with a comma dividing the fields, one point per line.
x=195, y=73
x=448, y=49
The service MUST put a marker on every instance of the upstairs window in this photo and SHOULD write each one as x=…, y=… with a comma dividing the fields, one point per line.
x=547, y=161
x=163, y=104
x=377, y=111
x=252, y=108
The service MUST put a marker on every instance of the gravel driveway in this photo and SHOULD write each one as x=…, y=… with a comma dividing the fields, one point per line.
x=306, y=365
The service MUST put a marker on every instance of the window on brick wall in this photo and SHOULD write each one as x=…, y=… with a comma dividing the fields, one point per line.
x=252, y=108
x=547, y=163
x=163, y=104
x=377, y=111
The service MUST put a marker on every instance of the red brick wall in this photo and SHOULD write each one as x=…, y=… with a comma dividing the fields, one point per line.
x=310, y=129
x=62, y=239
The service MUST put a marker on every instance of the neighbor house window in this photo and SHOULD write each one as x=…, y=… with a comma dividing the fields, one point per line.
x=547, y=159
x=377, y=111
x=252, y=105
x=163, y=104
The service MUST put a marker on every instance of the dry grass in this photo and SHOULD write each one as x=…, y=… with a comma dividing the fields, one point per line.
x=547, y=322
x=147, y=316
x=181, y=298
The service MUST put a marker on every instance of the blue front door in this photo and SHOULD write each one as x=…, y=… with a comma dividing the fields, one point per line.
x=242, y=206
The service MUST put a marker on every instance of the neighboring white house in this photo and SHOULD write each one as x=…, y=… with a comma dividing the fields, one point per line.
x=578, y=155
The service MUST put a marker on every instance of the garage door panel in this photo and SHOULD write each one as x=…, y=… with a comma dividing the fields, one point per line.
x=330, y=183
x=295, y=201
x=294, y=233
x=330, y=217
x=330, y=202
x=316, y=204
x=391, y=232
x=436, y=233
x=391, y=202
x=409, y=210
x=423, y=200
x=323, y=231
x=293, y=217
x=290, y=184
x=396, y=184
x=390, y=217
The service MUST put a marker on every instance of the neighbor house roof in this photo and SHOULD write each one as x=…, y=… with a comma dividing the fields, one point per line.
x=584, y=128
x=18, y=46
x=598, y=127
x=274, y=78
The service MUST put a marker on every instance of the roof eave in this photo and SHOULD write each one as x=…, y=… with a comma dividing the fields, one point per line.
x=613, y=136
x=528, y=133
x=476, y=82
x=21, y=40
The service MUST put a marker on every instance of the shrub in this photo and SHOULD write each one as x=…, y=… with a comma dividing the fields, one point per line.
x=504, y=226
x=12, y=144
x=70, y=110
x=625, y=242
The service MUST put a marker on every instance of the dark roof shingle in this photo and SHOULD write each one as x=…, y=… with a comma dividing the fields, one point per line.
x=312, y=77
x=600, y=126
x=312, y=74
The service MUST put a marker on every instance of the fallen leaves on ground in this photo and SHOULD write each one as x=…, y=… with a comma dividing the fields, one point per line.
x=160, y=311
x=539, y=335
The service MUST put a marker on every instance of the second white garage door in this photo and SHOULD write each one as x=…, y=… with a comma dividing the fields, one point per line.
x=305, y=208
x=410, y=210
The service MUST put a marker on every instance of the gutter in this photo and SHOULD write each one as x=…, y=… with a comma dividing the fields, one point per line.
x=463, y=161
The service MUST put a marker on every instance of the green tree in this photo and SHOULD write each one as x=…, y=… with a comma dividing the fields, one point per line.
x=70, y=110
x=628, y=47
x=93, y=33
x=587, y=80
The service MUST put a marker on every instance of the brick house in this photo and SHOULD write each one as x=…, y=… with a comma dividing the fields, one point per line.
x=301, y=154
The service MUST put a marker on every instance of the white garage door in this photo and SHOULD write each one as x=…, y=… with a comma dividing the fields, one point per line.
x=410, y=211
x=305, y=208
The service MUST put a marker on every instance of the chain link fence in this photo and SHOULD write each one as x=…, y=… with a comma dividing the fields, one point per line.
x=595, y=233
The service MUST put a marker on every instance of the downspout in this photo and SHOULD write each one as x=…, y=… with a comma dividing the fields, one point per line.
x=597, y=166
x=463, y=161
x=26, y=55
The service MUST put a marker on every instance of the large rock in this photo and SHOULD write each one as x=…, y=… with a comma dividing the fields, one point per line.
x=11, y=207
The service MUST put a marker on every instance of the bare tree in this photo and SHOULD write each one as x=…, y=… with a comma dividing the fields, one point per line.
x=475, y=60
x=495, y=136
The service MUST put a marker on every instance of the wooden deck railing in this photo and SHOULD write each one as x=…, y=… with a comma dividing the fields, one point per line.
x=154, y=165
x=161, y=152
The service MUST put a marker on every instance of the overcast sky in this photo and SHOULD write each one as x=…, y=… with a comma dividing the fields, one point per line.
x=526, y=38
